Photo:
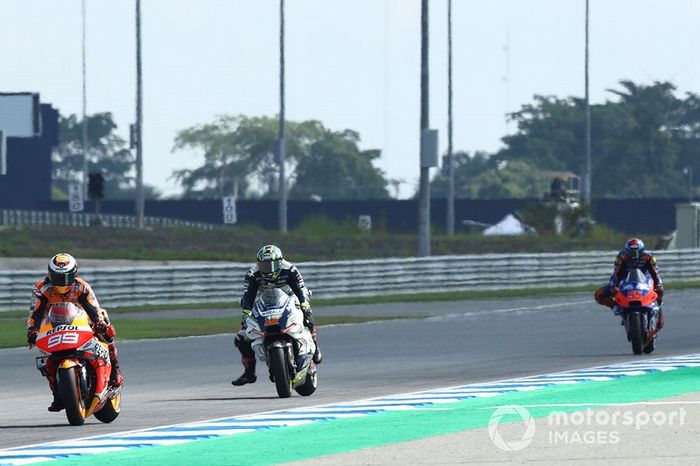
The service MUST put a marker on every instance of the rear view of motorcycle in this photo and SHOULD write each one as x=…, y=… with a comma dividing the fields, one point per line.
x=276, y=328
x=637, y=304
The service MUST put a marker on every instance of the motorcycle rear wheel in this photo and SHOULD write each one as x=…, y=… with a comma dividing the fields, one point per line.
x=634, y=327
x=280, y=372
x=69, y=387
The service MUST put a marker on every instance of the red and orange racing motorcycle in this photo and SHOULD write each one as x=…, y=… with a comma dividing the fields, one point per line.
x=81, y=364
x=637, y=303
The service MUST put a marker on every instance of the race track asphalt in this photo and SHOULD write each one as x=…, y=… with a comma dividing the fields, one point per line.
x=188, y=379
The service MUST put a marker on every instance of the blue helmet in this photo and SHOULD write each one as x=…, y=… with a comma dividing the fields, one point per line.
x=634, y=248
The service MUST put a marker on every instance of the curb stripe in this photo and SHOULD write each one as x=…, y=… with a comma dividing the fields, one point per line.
x=193, y=431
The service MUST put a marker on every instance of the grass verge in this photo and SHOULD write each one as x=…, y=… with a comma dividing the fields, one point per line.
x=12, y=332
x=397, y=298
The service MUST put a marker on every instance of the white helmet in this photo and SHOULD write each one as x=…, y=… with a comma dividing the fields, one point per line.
x=62, y=271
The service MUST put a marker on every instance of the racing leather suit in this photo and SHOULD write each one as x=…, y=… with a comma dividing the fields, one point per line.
x=80, y=292
x=291, y=282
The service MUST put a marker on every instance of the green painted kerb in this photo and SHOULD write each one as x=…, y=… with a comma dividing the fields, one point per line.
x=323, y=438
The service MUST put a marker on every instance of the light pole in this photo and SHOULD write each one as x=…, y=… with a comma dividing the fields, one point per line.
x=450, y=157
x=588, y=169
x=85, y=125
x=424, y=201
x=281, y=149
x=139, y=123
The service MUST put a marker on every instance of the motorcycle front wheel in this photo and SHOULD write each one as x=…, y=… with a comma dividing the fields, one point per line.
x=69, y=387
x=635, y=333
x=280, y=372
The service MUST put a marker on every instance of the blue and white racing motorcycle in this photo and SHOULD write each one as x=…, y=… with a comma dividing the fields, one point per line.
x=278, y=337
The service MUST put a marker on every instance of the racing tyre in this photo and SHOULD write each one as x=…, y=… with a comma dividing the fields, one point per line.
x=280, y=372
x=309, y=385
x=69, y=386
x=634, y=327
x=110, y=410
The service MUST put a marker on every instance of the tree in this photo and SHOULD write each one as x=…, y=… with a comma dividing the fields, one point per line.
x=640, y=141
x=241, y=150
x=484, y=176
x=106, y=152
x=336, y=168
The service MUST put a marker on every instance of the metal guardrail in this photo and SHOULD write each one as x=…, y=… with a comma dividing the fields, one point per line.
x=184, y=284
x=52, y=218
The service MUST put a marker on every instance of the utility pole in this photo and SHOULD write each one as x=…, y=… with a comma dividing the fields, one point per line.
x=139, y=123
x=281, y=149
x=450, y=156
x=588, y=170
x=85, y=124
x=424, y=201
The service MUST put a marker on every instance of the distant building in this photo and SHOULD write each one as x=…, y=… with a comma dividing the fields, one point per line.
x=30, y=133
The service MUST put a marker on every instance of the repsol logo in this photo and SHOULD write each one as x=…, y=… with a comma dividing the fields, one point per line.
x=61, y=328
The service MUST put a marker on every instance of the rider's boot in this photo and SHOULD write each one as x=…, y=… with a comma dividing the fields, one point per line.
x=57, y=403
x=115, y=377
x=248, y=372
x=318, y=356
x=660, y=322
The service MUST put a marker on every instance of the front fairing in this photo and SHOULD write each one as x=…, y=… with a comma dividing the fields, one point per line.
x=284, y=320
x=55, y=335
x=636, y=291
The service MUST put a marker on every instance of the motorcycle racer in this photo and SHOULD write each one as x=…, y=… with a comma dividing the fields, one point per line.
x=271, y=271
x=62, y=284
x=633, y=255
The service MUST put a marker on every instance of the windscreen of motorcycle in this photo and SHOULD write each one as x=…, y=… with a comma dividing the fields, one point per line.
x=62, y=313
x=273, y=298
x=636, y=278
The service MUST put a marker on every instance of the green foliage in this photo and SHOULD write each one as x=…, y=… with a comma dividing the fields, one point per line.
x=321, y=226
x=336, y=168
x=106, y=151
x=482, y=176
x=240, y=244
x=640, y=142
x=240, y=150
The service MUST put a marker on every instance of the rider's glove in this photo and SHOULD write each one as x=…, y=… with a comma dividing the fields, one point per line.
x=308, y=315
x=660, y=293
x=100, y=327
x=31, y=335
x=244, y=314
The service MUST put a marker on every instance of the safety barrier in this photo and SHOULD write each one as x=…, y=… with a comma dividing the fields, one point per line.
x=75, y=219
x=182, y=284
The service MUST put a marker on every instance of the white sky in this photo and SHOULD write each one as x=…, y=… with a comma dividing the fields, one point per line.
x=350, y=64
